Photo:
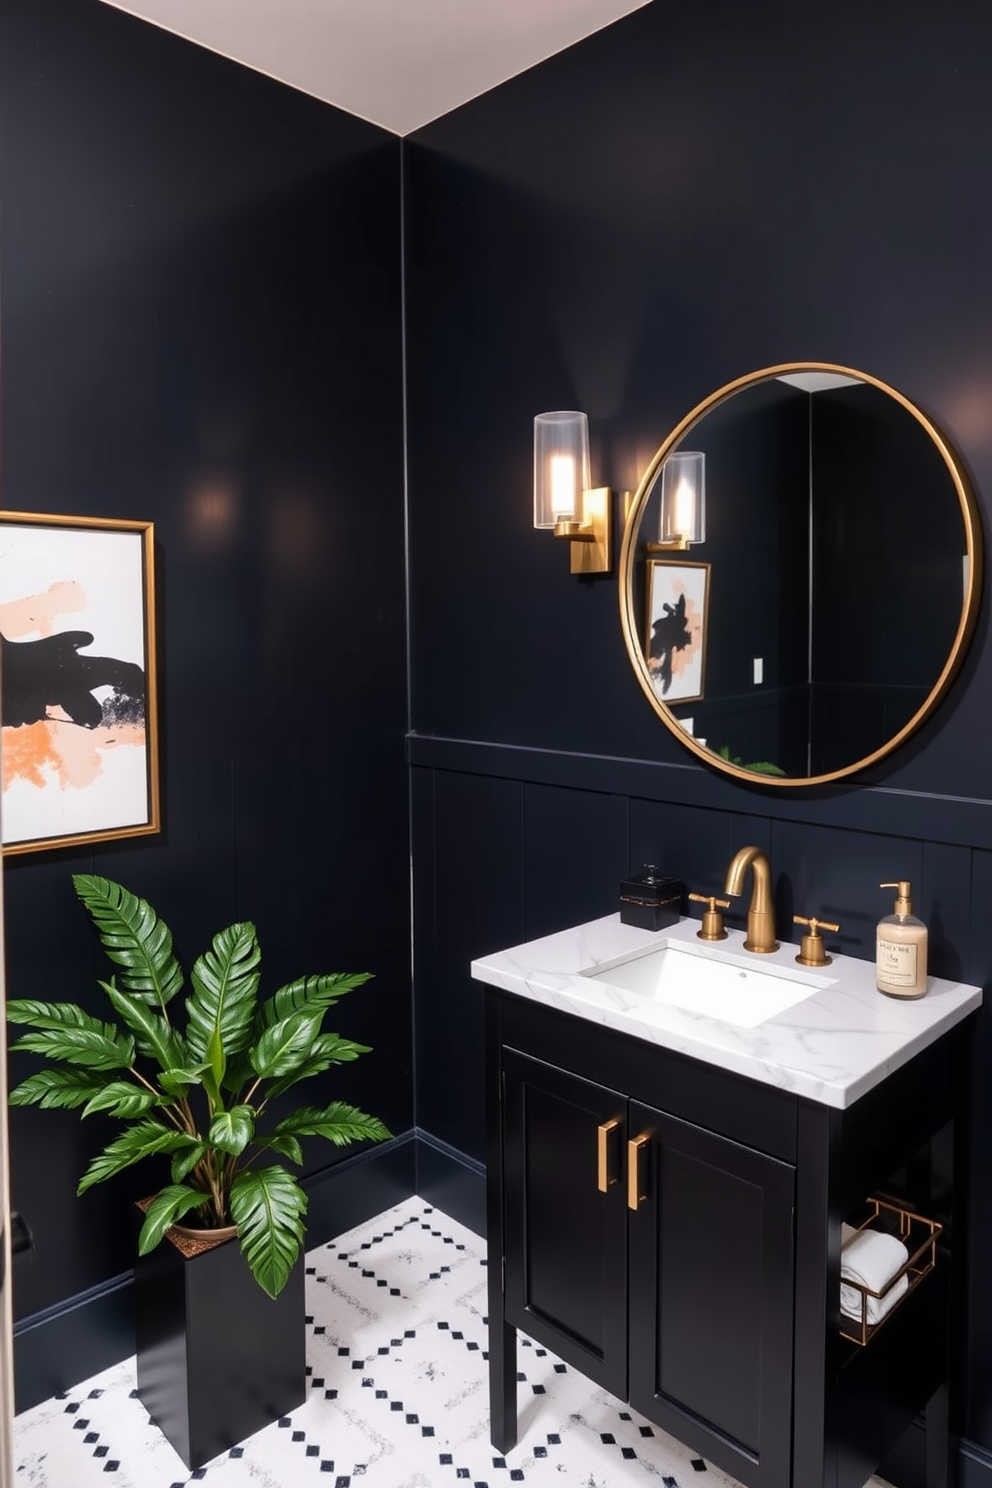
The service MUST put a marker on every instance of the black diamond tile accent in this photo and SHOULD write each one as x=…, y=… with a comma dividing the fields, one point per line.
x=427, y=1430
x=91, y=1437
x=299, y=1436
x=101, y=1451
x=499, y=1462
x=539, y=1390
x=540, y=1451
x=670, y=1482
x=236, y=1452
x=445, y=1459
x=607, y=1438
x=473, y=1346
x=395, y=1292
x=560, y=1369
x=410, y=1333
x=396, y=1405
x=111, y=1466
x=380, y=1394
x=200, y=1474
x=94, y=1395
x=413, y=1420
x=330, y=1394
x=133, y=1395
x=462, y=1472
x=72, y=1408
x=443, y=1326
x=554, y=1440
x=343, y=1353
x=342, y=1482
x=327, y=1466
x=516, y=1475
x=698, y=1465
x=285, y=1421
x=455, y=1334
x=313, y=1451
x=367, y=1383
x=628, y=1452
x=318, y=1382
x=645, y=1430
x=626, y=1416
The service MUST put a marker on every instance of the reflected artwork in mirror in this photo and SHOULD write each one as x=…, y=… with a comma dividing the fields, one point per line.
x=842, y=555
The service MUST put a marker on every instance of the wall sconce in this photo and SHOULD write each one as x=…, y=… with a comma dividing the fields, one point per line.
x=683, y=503
x=563, y=497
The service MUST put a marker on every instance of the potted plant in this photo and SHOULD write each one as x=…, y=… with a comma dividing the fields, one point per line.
x=199, y=1090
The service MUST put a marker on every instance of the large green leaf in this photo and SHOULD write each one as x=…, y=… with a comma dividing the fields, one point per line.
x=131, y=1146
x=168, y=1205
x=121, y=1098
x=221, y=1009
x=54, y=1015
x=310, y=993
x=57, y=1087
x=287, y=1146
x=153, y=1035
x=268, y=1206
x=185, y=1161
x=105, y=1049
x=326, y=1049
x=232, y=1130
x=133, y=937
x=339, y=1123
x=283, y=1047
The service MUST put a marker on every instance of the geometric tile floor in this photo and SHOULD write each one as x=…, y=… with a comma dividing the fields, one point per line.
x=397, y=1394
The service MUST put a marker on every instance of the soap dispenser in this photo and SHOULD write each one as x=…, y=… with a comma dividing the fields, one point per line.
x=901, y=947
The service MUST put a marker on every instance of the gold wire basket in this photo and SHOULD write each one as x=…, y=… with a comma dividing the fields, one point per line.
x=919, y=1235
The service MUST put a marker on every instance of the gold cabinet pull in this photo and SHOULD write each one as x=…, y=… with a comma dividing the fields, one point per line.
x=634, y=1148
x=603, y=1153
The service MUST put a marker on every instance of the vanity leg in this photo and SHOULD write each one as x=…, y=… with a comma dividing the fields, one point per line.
x=503, y=1385
x=941, y=1459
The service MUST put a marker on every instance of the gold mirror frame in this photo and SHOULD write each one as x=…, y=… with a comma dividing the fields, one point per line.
x=631, y=622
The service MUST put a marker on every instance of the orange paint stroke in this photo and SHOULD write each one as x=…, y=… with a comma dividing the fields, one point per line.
x=683, y=660
x=38, y=612
x=36, y=751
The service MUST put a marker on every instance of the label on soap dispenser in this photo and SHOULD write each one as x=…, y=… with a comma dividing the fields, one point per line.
x=895, y=962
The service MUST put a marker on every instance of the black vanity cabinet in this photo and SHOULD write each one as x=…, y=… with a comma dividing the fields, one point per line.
x=673, y=1231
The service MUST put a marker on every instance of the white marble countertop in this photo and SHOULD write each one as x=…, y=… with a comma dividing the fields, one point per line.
x=831, y=1047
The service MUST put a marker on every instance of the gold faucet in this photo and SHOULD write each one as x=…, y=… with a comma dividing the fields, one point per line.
x=761, y=911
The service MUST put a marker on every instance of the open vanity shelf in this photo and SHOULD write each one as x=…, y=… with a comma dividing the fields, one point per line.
x=920, y=1236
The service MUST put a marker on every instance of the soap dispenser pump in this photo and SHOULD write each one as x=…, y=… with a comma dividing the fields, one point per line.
x=901, y=947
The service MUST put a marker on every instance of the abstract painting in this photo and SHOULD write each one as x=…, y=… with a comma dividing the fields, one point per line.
x=678, y=596
x=77, y=683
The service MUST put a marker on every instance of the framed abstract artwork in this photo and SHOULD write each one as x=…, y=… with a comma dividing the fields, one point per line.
x=78, y=744
x=677, y=604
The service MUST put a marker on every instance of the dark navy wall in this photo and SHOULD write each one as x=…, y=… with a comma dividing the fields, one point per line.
x=694, y=193
x=200, y=303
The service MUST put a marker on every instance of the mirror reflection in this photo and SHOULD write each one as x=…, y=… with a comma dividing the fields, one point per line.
x=814, y=616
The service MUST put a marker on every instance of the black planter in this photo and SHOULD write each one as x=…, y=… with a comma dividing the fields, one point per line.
x=217, y=1358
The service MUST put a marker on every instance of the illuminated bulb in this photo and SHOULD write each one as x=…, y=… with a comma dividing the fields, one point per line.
x=563, y=487
x=684, y=508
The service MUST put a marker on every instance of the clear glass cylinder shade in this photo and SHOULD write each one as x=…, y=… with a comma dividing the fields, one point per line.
x=561, y=467
x=683, y=497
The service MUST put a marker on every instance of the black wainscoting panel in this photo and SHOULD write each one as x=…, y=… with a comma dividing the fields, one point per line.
x=575, y=854
x=478, y=908
x=835, y=875
x=942, y=900
x=689, y=844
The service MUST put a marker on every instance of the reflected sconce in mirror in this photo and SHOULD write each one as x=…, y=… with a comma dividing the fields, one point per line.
x=564, y=499
x=683, y=503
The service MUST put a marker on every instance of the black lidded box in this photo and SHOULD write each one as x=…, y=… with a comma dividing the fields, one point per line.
x=651, y=901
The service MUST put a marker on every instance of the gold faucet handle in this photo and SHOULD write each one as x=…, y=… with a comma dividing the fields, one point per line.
x=712, y=926
x=811, y=952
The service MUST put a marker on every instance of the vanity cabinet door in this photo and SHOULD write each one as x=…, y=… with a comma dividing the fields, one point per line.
x=565, y=1238
x=711, y=1295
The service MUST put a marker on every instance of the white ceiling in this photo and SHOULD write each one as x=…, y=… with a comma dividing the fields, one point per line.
x=398, y=63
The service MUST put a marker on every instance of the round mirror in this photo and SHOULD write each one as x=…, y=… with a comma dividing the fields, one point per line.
x=800, y=574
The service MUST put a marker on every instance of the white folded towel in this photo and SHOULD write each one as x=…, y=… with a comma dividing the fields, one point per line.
x=872, y=1259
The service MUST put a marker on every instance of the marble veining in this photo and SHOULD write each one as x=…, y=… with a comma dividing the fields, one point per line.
x=831, y=1047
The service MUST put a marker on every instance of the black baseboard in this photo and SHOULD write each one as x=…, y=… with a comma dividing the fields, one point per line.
x=452, y=1182
x=906, y=1467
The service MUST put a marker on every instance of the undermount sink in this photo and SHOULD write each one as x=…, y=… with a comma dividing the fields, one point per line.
x=712, y=983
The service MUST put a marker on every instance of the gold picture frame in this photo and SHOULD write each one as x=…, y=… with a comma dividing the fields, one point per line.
x=677, y=612
x=78, y=709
